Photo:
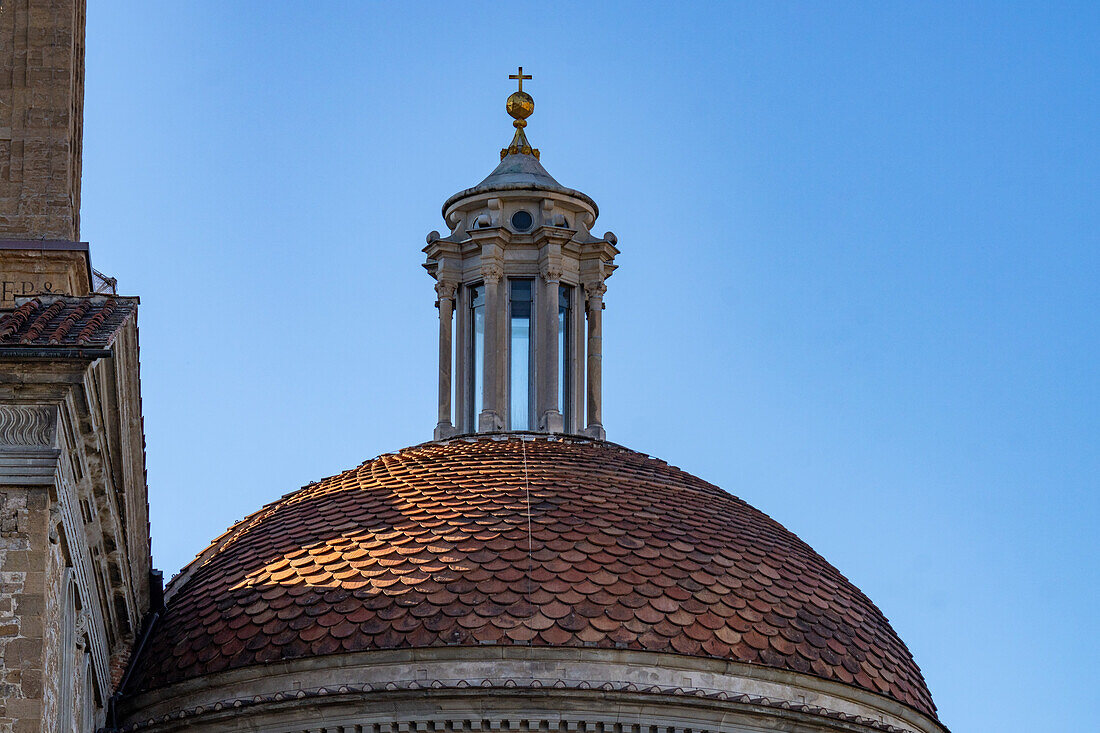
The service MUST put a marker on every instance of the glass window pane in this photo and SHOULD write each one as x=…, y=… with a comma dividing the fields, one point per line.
x=520, y=354
x=565, y=357
x=477, y=356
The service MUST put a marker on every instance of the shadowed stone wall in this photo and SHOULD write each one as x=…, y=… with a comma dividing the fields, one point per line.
x=24, y=517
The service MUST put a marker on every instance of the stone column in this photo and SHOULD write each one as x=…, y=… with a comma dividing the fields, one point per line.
x=462, y=394
x=445, y=289
x=490, y=420
x=593, y=292
x=550, y=416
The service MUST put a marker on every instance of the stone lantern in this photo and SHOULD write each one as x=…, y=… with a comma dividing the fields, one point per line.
x=520, y=280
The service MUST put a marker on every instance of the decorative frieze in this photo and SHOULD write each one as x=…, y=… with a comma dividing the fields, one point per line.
x=28, y=426
x=28, y=444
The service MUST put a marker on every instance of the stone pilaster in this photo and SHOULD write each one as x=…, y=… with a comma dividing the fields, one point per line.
x=445, y=290
x=593, y=299
x=492, y=397
x=550, y=415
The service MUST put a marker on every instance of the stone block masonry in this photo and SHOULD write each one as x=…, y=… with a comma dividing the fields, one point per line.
x=41, y=118
x=24, y=519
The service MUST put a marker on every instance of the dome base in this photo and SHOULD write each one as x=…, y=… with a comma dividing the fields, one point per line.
x=515, y=688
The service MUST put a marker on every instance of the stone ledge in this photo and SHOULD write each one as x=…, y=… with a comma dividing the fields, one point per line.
x=709, y=688
x=753, y=706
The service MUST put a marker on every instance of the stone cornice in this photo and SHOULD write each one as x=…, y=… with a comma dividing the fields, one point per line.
x=714, y=689
x=470, y=196
x=217, y=714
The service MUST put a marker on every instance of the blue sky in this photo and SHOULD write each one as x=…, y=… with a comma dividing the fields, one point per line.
x=859, y=284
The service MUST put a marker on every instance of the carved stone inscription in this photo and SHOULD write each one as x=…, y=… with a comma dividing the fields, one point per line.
x=27, y=271
x=11, y=288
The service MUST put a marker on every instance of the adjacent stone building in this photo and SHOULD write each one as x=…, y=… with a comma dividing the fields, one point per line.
x=75, y=573
x=518, y=572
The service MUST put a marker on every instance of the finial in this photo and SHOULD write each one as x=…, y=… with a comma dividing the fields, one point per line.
x=520, y=106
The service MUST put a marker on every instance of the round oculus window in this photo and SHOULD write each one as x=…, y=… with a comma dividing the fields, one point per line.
x=521, y=221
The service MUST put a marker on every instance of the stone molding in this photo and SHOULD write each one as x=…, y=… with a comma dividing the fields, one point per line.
x=28, y=426
x=202, y=715
x=28, y=445
x=510, y=684
x=92, y=621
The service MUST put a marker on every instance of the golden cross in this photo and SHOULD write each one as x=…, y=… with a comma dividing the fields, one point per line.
x=520, y=76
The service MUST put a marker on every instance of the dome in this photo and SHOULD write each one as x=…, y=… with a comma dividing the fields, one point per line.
x=513, y=540
x=520, y=169
x=519, y=172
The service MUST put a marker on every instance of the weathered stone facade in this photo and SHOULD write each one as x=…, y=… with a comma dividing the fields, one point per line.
x=74, y=531
x=24, y=518
x=74, y=543
x=41, y=118
x=31, y=267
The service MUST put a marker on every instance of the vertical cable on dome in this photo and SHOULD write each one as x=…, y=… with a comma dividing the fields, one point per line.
x=530, y=540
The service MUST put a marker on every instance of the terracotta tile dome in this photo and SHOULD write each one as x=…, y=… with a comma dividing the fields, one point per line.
x=559, y=542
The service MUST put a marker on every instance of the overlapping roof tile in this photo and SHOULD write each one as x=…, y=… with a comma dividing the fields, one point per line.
x=545, y=542
x=51, y=321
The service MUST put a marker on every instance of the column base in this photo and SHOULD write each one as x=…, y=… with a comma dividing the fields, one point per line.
x=444, y=430
x=595, y=430
x=552, y=422
x=489, y=422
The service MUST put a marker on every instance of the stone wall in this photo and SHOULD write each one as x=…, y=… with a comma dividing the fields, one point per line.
x=71, y=483
x=41, y=118
x=44, y=666
x=24, y=518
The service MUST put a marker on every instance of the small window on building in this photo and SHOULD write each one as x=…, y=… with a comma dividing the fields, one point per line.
x=521, y=221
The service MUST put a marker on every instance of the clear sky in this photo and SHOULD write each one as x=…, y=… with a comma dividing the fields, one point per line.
x=859, y=284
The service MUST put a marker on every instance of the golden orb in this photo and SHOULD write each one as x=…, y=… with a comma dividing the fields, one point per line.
x=520, y=105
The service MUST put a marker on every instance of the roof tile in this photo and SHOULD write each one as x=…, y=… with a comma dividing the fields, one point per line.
x=430, y=546
x=51, y=321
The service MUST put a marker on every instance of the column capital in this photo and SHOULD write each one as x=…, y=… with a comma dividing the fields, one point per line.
x=446, y=289
x=551, y=262
x=551, y=270
x=594, y=289
x=492, y=261
x=492, y=271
